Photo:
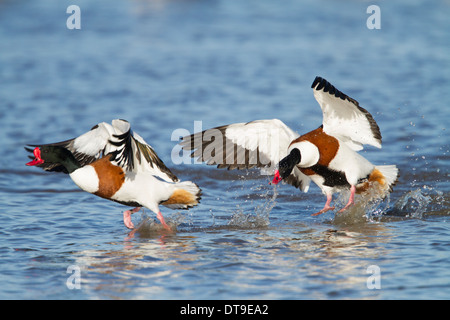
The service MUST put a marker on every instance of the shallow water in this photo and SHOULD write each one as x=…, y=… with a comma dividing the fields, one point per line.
x=163, y=65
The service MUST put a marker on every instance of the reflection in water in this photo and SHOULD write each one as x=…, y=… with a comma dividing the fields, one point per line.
x=312, y=262
x=134, y=268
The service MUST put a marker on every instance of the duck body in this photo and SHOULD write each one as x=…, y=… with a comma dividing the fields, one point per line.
x=112, y=162
x=328, y=155
x=328, y=162
x=109, y=181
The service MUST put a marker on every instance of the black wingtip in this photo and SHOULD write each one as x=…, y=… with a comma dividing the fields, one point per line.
x=321, y=83
x=317, y=80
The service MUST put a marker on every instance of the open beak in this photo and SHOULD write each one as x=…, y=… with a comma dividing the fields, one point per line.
x=37, y=160
x=277, y=178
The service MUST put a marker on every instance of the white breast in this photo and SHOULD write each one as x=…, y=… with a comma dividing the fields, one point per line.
x=86, y=179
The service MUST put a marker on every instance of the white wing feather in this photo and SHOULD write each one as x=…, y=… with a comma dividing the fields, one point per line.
x=94, y=142
x=344, y=119
x=259, y=143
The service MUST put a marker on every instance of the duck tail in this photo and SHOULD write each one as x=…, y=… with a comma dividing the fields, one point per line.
x=385, y=175
x=186, y=195
x=380, y=181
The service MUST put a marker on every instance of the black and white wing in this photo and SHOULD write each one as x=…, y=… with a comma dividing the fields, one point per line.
x=86, y=148
x=130, y=151
x=259, y=143
x=344, y=118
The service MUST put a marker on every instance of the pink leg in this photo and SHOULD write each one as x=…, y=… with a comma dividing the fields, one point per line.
x=351, y=201
x=127, y=217
x=327, y=206
x=161, y=219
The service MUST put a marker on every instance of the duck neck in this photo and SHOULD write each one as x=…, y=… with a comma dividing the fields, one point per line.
x=69, y=162
x=288, y=163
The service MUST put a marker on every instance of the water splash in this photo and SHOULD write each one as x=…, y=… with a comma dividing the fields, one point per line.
x=368, y=207
x=260, y=217
x=148, y=225
x=412, y=204
x=417, y=202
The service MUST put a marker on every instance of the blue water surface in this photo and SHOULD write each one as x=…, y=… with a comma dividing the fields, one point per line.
x=163, y=65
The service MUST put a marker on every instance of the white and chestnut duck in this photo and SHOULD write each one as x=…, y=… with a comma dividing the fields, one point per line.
x=327, y=155
x=113, y=162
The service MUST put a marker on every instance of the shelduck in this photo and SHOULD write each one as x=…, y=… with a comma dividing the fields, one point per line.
x=327, y=155
x=115, y=163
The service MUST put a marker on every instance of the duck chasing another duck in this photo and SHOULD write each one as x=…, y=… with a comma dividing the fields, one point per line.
x=113, y=162
x=327, y=155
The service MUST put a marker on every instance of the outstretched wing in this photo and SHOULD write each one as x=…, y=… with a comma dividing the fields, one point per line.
x=344, y=118
x=259, y=143
x=130, y=151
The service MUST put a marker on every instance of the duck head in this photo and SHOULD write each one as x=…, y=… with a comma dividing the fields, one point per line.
x=286, y=165
x=54, y=155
